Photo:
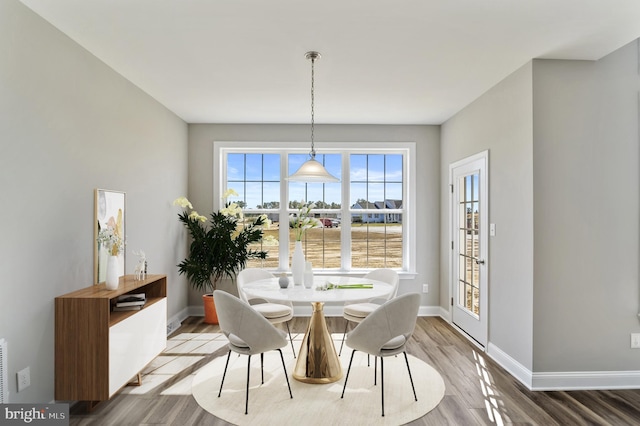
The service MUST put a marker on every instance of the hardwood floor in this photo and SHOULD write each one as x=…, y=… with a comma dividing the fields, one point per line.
x=478, y=391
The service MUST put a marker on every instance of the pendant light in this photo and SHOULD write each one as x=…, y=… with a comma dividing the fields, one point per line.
x=311, y=170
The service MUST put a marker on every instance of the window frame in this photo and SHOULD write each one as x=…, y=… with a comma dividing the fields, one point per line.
x=407, y=149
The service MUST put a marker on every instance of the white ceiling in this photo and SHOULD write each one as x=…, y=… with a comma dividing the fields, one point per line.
x=383, y=61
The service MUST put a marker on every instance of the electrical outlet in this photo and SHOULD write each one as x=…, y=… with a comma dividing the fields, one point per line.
x=635, y=340
x=24, y=379
x=425, y=288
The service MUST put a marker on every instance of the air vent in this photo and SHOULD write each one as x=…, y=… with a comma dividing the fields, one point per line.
x=4, y=382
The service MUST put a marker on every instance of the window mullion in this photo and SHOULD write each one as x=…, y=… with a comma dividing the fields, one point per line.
x=283, y=231
x=345, y=234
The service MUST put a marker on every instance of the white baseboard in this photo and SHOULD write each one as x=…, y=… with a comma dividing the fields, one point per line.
x=564, y=380
x=175, y=321
x=586, y=380
x=517, y=370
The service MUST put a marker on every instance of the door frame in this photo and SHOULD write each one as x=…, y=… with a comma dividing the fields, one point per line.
x=482, y=339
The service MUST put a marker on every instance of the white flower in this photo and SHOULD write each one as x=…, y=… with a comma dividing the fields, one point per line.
x=182, y=202
x=266, y=221
x=232, y=209
x=196, y=216
x=303, y=221
x=229, y=192
x=111, y=240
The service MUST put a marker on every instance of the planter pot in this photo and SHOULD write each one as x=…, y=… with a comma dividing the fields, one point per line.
x=210, y=314
x=112, y=279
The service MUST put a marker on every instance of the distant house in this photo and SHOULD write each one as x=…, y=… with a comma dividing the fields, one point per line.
x=378, y=217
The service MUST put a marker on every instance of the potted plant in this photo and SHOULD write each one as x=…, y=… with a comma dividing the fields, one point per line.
x=220, y=247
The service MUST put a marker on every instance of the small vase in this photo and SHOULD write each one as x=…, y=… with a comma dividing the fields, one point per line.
x=283, y=281
x=113, y=279
x=297, y=264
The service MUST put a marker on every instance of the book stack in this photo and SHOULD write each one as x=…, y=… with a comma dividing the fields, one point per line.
x=130, y=302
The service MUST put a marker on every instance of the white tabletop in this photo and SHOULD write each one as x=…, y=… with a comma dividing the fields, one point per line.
x=269, y=289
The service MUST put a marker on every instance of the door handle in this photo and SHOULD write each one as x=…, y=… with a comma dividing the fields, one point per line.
x=479, y=261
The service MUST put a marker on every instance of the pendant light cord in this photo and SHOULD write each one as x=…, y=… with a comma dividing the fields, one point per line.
x=313, y=61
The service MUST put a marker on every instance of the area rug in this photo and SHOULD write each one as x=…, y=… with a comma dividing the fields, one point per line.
x=317, y=404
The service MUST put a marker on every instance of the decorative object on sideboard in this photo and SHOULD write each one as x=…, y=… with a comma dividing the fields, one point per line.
x=112, y=280
x=109, y=233
x=220, y=246
x=110, y=239
x=141, y=267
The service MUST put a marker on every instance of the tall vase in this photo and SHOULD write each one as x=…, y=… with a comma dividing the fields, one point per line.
x=113, y=279
x=297, y=264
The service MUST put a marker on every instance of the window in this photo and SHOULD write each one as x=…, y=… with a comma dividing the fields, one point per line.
x=366, y=223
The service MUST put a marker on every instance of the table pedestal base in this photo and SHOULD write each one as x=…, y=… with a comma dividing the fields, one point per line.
x=318, y=360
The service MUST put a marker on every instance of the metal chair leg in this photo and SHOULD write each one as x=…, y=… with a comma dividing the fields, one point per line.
x=410, y=378
x=285, y=373
x=382, y=382
x=262, y=367
x=246, y=403
x=224, y=374
x=375, y=369
x=290, y=339
x=347, y=376
x=346, y=324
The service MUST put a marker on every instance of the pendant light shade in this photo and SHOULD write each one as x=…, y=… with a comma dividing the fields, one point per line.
x=311, y=170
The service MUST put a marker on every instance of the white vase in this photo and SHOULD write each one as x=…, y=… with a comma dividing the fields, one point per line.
x=297, y=264
x=113, y=278
x=308, y=275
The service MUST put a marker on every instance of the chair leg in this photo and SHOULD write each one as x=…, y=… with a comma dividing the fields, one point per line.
x=347, y=376
x=246, y=401
x=224, y=374
x=410, y=378
x=290, y=339
x=382, y=382
x=262, y=367
x=375, y=369
x=343, y=336
x=285, y=373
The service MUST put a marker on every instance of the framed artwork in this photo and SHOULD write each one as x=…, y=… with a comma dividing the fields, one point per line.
x=109, y=216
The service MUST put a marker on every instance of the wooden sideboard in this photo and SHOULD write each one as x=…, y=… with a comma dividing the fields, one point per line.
x=99, y=350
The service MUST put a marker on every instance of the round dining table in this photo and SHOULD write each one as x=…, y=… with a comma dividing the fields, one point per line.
x=318, y=360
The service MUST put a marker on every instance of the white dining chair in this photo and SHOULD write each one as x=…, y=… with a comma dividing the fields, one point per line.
x=356, y=312
x=385, y=332
x=249, y=333
x=276, y=313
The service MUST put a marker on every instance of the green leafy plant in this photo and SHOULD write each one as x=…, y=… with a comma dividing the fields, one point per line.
x=220, y=246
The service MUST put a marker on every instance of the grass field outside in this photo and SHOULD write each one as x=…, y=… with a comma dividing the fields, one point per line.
x=372, y=246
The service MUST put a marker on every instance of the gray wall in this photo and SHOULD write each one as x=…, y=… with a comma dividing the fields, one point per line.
x=202, y=136
x=69, y=124
x=563, y=143
x=586, y=213
x=499, y=121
